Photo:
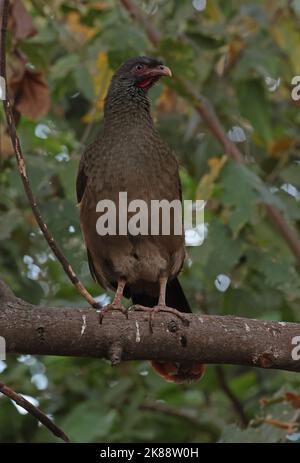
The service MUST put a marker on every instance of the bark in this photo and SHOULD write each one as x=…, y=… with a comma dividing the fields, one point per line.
x=37, y=330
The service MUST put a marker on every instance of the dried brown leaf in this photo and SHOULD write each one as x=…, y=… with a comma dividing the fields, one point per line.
x=21, y=22
x=30, y=91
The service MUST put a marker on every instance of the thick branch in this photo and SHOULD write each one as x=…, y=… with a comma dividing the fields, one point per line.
x=209, y=116
x=35, y=330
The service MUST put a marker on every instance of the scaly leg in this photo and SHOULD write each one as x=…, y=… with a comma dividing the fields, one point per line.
x=116, y=303
x=161, y=306
x=162, y=292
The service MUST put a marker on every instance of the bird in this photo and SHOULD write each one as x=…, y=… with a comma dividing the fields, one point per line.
x=130, y=156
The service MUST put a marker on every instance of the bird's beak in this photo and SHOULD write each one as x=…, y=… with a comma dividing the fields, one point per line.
x=160, y=70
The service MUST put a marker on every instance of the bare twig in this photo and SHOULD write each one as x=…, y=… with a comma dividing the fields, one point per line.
x=136, y=14
x=236, y=404
x=286, y=231
x=4, y=9
x=205, y=109
x=34, y=411
x=182, y=414
x=7, y=296
x=281, y=162
x=158, y=407
x=207, y=112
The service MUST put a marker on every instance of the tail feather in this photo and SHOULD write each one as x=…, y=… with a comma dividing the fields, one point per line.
x=143, y=299
x=173, y=371
x=179, y=372
x=175, y=297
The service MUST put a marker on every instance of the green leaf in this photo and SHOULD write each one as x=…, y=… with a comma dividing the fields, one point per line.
x=222, y=251
x=263, y=435
x=9, y=222
x=291, y=174
x=254, y=107
x=179, y=55
x=64, y=65
x=89, y=421
x=238, y=192
x=84, y=82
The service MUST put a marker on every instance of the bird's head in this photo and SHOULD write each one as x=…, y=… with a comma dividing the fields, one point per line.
x=140, y=73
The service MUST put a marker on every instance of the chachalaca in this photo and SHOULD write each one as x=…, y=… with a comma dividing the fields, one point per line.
x=130, y=156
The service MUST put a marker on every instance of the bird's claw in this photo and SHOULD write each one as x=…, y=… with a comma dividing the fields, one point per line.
x=160, y=308
x=112, y=306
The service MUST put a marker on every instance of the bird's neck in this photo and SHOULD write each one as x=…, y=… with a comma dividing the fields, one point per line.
x=125, y=111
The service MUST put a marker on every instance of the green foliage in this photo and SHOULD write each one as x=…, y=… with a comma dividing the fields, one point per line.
x=233, y=52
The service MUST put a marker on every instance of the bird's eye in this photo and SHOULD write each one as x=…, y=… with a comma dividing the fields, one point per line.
x=139, y=67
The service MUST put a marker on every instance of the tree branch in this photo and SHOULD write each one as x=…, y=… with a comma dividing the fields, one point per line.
x=207, y=112
x=7, y=297
x=4, y=11
x=135, y=12
x=185, y=414
x=235, y=402
x=36, y=330
x=34, y=411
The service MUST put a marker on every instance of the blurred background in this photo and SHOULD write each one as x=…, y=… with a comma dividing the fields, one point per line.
x=242, y=55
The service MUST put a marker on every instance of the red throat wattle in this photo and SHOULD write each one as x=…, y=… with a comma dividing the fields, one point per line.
x=145, y=83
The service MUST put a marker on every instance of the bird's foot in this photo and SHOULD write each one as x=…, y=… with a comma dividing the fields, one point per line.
x=110, y=307
x=160, y=308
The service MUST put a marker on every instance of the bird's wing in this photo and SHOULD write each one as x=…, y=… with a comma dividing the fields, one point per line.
x=93, y=271
x=81, y=183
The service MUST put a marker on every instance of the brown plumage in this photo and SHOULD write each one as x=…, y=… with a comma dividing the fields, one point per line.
x=129, y=156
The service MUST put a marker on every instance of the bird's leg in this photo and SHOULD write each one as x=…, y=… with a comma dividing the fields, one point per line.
x=162, y=292
x=161, y=306
x=116, y=303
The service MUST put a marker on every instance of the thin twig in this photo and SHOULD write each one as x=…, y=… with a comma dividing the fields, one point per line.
x=34, y=411
x=205, y=109
x=282, y=161
x=23, y=171
x=6, y=294
x=207, y=112
x=136, y=14
x=181, y=414
x=172, y=411
x=236, y=404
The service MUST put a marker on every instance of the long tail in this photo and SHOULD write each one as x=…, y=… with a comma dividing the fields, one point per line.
x=173, y=371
